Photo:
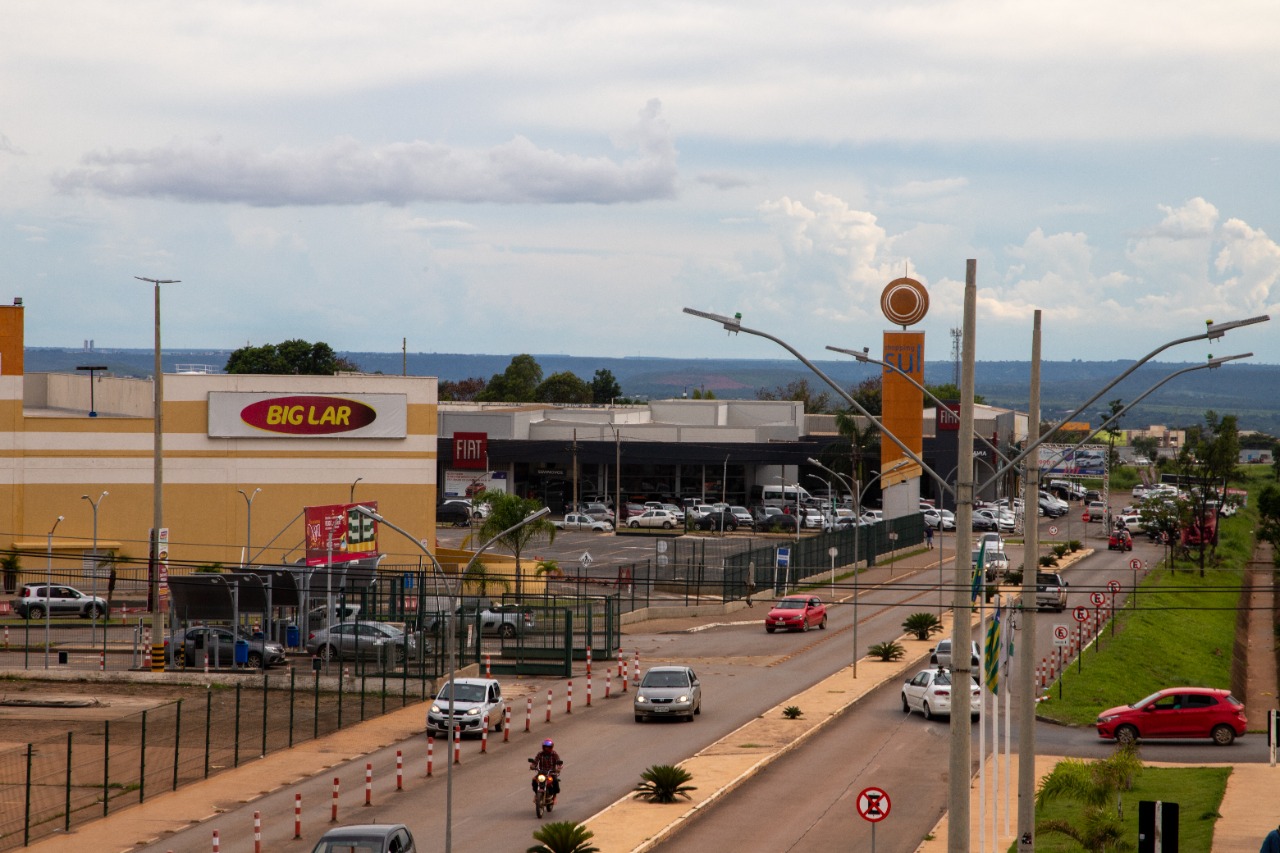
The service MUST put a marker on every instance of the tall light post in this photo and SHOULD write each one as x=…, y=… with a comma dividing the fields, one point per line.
x=93, y=621
x=248, y=525
x=451, y=591
x=157, y=508
x=351, y=495
x=48, y=588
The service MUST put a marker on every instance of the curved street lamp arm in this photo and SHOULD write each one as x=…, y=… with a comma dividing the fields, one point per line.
x=734, y=324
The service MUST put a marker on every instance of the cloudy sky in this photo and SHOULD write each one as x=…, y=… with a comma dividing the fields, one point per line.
x=564, y=177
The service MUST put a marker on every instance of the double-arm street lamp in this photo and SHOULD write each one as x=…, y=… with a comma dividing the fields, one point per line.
x=451, y=592
x=248, y=524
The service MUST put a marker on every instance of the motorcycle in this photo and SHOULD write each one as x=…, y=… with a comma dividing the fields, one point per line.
x=543, y=798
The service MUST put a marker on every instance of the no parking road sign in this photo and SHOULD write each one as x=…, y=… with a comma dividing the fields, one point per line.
x=873, y=804
x=1061, y=635
x=1080, y=614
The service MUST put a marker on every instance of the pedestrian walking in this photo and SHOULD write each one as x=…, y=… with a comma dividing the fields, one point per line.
x=1271, y=844
x=928, y=536
x=751, y=582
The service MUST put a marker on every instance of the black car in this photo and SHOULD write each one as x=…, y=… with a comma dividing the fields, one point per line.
x=457, y=514
x=718, y=519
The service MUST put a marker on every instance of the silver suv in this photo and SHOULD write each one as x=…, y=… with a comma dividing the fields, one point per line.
x=61, y=601
x=1051, y=591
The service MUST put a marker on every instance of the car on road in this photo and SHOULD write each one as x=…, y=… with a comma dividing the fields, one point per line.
x=985, y=519
x=929, y=692
x=599, y=511
x=1051, y=591
x=219, y=643
x=939, y=519
x=653, y=518
x=668, y=691
x=1176, y=712
x=367, y=838
x=995, y=562
x=941, y=654
x=796, y=613
x=355, y=640
x=581, y=521
x=33, y=600
x=1096, y=511
x=475, y=700
x=1120, y=540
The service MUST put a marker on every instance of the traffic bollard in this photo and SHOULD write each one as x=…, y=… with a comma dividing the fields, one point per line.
x=548, y=704
x=6, y=636
x=484, y=736
x=399, y=770
x=568, y=699
x=457, y=744
x=608, y=683
x=257, y=832
x=622, y=671
x=635, y=669
x=528, y=711
x=488, y=673
x=368, y=784
x=333, y=810
x=431, y=748
x=506, y=724
x=216, y=845
x=588, y=662
x=588, y=690
x=297, y=815
x=102, y=661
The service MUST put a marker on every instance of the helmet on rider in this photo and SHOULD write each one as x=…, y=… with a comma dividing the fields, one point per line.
x=548, y=744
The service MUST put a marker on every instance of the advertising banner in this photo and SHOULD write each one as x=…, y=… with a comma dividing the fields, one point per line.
x=339, y=534
x=1065, y=459
x=235, y=414
x=902, y=402
x=466, y=484
x=471, y=450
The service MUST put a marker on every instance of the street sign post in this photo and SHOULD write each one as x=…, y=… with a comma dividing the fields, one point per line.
x=1080, y=614
x=1114, y=587
x=873, y=804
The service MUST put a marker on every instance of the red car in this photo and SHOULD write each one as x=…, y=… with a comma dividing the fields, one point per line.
x=1176, y=712
x=1120, y=540
x=797, y=613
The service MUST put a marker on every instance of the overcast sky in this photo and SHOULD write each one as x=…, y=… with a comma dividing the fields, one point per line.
x=564, y=177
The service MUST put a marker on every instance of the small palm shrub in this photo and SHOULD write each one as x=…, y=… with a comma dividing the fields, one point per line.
x=889, y=651
x=1048, y=560
x=1074, y=545
x=923, y=625
x=1059, y=551
x=662, y=783
x=563, y=836
x=792, y=712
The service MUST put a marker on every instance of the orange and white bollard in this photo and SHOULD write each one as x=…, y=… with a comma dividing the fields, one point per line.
x=431, y=748
x=548, y=704
x=506, y=724
x=368, y=784
x=622, y=671
x=6, y=636
x=216, y=844
x=588, y=690
x=399, y=770
x=588, y=661
x=568, y=699
x=457, y=744
x=488, y=673
x=333, y=809
x=102, y=661
x=484, y=736
x=206, y=663
x=608, y=683
x=528, y=711
x=297, y=815
x=635, y=668
x=257, y=832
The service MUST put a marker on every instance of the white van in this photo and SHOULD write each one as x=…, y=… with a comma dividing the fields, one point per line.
x=783, y=495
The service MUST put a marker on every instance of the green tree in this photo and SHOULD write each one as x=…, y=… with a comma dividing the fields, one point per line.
x=864, y=443
x=868, y=393
x=604, y=388
x=1145, y=445
x=517, y=384
x=290, y=357
x=798, y=389
x=1208, y=458
x=506, y=511
x=1269, y=515
x=462, y=390
x=1094, y=784
x=563, y=387
x=949, y=392
x=563, y=836
x=479, y=578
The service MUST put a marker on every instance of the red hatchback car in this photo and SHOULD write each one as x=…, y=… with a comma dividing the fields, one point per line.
x=1177, y=712
x=796, y=613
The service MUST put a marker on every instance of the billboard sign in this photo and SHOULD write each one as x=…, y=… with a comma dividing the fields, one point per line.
x=1064, y=459
x=234, y=414
x=471, y=450
x=466, y=484
x=339, y=534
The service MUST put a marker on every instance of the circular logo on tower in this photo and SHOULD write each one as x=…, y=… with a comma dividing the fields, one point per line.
x=904, y=301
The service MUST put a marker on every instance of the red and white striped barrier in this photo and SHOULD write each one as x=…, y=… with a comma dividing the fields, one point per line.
x=484, y=736
x=506, y=724
x=431, y=748
x=608, y=684
x=216, y=844
x=548, y=704
x=399, y=770
x=588, y=661
x=368, y=784
x=457, y=744
x=488, y=673
x=622, y=671
x=102, y=661
x=297, y=815
x=257, y=832
x=333, y=810
x=568, y=699
x=528, y=711
x=588, y=690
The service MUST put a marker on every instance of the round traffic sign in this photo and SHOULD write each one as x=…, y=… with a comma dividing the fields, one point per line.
x=1114, y=586
x=873, y=804
x=1053, y=530
x=1135, y=564
x=1061, y=633
x=1080, y=614
x=1097, y=598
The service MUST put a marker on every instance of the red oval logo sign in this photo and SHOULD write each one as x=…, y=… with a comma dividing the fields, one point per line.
x=308, y=415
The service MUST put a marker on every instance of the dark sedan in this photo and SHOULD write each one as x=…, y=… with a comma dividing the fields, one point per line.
x=721, y=519
x=219, y=645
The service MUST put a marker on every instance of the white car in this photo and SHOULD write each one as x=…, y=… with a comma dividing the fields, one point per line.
x=475, y=702
x=674, y=510
x=940, y=519
x=743, y=515
x=929, y=692
x=579, y=521
x=653, y=518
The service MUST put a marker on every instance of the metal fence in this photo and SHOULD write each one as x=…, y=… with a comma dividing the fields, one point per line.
x=101, y=766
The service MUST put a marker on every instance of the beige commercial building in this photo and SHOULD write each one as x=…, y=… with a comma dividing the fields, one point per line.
x=302, y=440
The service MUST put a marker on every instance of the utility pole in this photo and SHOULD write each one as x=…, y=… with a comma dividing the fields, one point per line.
x=1027, y=620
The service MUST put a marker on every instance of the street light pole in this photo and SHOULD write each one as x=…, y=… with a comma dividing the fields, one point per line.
x=157, y=509
x=452, y=660
x=248, y=525
x=93, y=621
x=351, y=496
x=48, y=589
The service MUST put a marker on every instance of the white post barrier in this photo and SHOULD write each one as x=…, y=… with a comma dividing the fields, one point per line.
x=484, y=736
x=399, y=770
x=528, y=711
x=568, y=699
x=506, y=724
x=216, y=845
x=257, y=832
x=368, y=784
x=548, y=704
x=333, y=810
x=297, y=815
x=431, y=747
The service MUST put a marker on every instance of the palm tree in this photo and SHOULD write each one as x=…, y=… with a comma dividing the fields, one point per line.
x=563, y=836
x=479, y=578
x=662, y=783
x=1093, y=783
x=862, y=441
x=507, y=511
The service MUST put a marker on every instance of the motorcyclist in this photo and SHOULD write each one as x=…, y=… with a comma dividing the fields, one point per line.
x=548, y=763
